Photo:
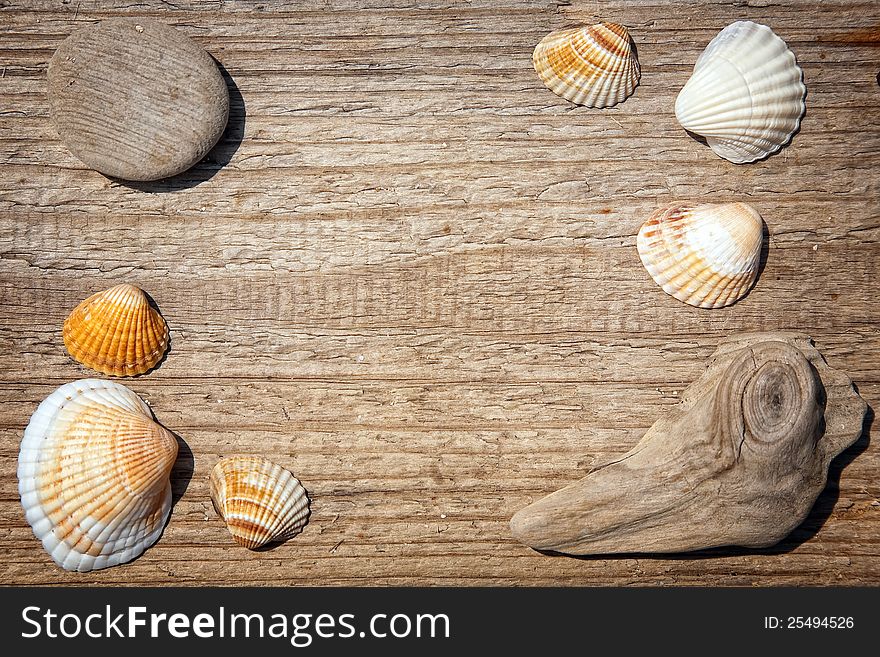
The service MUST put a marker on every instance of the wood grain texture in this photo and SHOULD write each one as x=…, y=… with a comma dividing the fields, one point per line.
x=408, y=273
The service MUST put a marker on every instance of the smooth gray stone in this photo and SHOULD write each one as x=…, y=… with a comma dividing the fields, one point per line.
x=136, y=99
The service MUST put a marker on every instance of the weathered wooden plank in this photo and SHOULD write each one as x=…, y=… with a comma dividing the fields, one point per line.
x=414, y=279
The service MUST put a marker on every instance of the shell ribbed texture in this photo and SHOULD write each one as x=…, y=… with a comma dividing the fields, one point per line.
x=594, y=66
x=93, y=474
x=260, y=501
x=705, y=255
x=116, y=332
x=746, y=94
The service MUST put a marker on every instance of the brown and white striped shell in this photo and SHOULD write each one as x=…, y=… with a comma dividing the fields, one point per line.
x=705, y=255
x=93, y=475
x=116, y=332
x=260, y=501
x=594, y=65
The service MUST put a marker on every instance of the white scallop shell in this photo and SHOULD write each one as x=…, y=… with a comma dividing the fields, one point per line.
x=705, y=255
x=746, y=94
x=93, y=475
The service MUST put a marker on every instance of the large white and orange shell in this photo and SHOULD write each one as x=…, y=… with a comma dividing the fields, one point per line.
x=594, y=65
x=705, y=255
x=116, y=332
x=746, y=94
x=260, y=501
x=93, y=475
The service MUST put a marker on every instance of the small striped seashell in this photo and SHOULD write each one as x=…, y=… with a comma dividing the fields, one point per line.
x=116, y=332
x=746, y=94
x=259, y=501
x=705, y=255
x=93, y=475
x=594, y=65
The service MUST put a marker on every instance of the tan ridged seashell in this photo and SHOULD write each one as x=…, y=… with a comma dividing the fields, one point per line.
x=116, y=332
x=594, y=65
x=93, y=475
x=705, y=255
x=260, y=501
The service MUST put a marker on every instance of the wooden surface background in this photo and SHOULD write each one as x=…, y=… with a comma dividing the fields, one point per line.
x=409, y=274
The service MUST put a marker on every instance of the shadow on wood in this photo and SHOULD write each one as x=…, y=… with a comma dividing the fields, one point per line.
x=182, y=472
x=216, y=159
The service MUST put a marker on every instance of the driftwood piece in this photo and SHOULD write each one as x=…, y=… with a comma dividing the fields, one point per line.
x=740, y=461
x=136, y=99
